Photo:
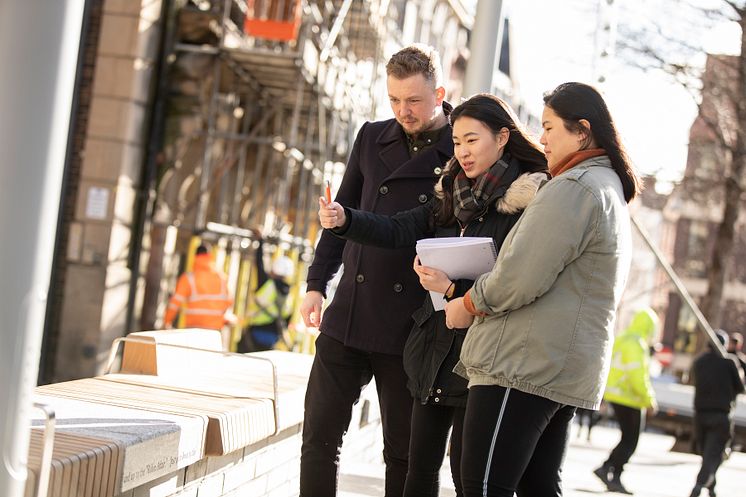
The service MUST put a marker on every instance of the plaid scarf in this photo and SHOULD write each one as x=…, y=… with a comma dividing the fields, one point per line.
x=471, y=197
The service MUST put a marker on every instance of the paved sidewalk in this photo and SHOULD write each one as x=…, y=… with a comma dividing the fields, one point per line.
x=654, y=470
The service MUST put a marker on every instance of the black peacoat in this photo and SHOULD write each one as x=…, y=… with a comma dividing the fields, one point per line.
x=378, y=291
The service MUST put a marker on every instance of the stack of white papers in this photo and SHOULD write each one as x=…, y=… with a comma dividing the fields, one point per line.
x=465, y=257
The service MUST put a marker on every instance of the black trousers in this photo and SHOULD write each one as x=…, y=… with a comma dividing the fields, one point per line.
x=337, y=376
x=630, y=424
x=712, y=433
x=427, y=447
x=591, y=419
x=513, y=442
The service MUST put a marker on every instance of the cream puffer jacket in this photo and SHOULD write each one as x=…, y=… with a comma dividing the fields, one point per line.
x=551, y=299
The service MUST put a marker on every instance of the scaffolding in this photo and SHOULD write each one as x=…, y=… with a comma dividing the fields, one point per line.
x=264, y=99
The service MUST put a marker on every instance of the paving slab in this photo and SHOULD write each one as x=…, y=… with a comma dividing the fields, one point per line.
x=654, y=471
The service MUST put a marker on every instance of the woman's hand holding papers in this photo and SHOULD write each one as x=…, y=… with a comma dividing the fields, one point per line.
x=331, y=214
x=431, y=278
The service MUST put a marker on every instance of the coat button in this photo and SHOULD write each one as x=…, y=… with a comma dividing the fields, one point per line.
x=422, y=198
x=438, y=170
x=398, y=287
x=383, y=190
x=439, y=391
x=359, y=278
x=436, y=399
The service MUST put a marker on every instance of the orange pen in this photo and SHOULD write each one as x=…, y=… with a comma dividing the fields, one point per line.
x=328, y=192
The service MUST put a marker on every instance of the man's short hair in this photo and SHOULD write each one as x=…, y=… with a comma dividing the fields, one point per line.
x=202, y=249
x=722, y=337
x=416, y=59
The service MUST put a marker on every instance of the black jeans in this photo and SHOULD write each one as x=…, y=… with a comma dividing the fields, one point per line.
x=513, y=442
x=427, y=447
x=630, y=424
x=337, y=376
x=712, y=432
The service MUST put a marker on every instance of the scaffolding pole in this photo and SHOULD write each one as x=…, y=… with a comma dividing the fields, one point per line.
x=248, y=113
x=36, y=95
x=206, y=168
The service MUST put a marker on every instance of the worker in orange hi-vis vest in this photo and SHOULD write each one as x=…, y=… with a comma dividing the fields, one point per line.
x=202, y=295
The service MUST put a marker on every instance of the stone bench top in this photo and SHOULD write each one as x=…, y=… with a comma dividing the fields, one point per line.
x=117, y=431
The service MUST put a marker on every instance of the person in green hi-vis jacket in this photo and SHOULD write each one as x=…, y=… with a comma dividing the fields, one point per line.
x=629, y=392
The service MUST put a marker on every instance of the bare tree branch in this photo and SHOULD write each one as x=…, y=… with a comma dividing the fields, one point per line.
x=720, y=89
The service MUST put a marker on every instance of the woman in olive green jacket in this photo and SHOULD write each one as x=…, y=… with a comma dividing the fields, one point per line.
x=542, y=321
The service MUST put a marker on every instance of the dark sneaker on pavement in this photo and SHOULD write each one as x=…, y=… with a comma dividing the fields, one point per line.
x=603, y=474
x=616, y=486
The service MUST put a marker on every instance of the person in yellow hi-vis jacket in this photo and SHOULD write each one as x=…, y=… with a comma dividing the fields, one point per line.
x=270, y=309
x=629, y=392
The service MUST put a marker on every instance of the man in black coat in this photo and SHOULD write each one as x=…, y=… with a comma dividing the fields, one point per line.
x=717, y=383
x=393, y=167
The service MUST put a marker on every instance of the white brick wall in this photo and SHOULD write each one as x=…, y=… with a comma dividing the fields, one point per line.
x=269, y=468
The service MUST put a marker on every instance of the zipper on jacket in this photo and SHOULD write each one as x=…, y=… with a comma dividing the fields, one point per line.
x=464, y=226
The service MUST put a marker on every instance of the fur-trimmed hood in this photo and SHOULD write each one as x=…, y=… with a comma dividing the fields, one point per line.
x=520, y=193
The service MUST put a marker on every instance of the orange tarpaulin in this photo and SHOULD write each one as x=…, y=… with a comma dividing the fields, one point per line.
x=273, y=19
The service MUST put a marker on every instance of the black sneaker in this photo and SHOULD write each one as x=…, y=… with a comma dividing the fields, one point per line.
x=616, y=486
x=603, y=474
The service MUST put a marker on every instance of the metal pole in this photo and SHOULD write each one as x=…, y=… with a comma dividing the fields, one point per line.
x=213, y=109
x=332, y=37
x=285, y=187
x=486, y=39
x=35, y=102
x=229, y=156
x=241, y=166
x=680, y=288
x=206, y=169
x=304, y=173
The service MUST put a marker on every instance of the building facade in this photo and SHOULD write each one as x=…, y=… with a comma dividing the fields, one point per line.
x=213, y=119
x=695, y=208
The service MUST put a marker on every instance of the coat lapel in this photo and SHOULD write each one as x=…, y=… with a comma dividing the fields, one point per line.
x=393, y=149
x=395, y=155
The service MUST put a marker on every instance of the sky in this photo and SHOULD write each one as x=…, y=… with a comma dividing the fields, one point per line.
x=553, y=42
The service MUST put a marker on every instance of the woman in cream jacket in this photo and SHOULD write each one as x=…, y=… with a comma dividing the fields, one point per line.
x=542, y=321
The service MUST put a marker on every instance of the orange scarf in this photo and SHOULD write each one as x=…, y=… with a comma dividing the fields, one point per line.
x=574, y=159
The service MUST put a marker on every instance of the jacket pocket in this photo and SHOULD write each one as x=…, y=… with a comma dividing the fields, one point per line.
x=424, y=312
x=481, y=343
x=417, y=346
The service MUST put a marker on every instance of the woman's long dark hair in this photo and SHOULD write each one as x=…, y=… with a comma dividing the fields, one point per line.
x=494, y=113
x=575, y=101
